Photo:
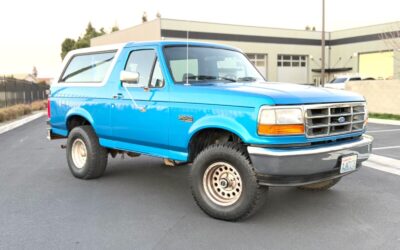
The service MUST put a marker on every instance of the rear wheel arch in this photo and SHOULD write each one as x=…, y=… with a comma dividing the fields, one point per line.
x=76, y=121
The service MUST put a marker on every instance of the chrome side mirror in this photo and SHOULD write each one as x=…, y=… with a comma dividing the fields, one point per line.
x=129, y=77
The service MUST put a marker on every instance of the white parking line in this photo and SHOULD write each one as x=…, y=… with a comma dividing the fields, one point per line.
x=382, y=148
x=383, y=163
x=383, y=121
x=383, y=131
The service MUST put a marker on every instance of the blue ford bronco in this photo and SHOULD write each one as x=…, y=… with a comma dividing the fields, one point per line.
x=207, y=107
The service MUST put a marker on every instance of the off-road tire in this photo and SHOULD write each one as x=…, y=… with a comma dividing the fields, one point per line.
x=252, y=195
x=320, y=186
x=97, y=156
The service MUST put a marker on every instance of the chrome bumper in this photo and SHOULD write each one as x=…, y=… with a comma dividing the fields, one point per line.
x=300, y=166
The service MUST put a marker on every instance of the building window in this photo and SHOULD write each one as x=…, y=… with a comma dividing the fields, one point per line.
x=292, y=61
x=260, y=61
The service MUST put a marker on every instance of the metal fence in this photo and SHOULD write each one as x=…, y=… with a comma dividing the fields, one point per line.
x=14, y=91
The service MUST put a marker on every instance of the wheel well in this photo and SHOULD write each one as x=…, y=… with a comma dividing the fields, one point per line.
x=75, y=121
x=207, y=137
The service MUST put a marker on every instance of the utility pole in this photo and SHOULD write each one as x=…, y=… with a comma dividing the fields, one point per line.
x=323, y=46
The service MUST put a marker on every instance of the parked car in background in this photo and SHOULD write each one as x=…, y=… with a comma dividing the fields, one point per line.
x=339, y=82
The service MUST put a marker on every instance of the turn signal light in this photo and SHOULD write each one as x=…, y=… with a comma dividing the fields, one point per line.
x=281, y=129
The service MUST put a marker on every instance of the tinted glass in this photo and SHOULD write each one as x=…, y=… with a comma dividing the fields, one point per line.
x=88, y=68
x=338, y=80
x=157, y=79
x=204, y=64
x=141, y=61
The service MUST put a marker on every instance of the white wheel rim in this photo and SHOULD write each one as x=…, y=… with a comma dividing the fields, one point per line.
x=79, y=153
x=222, y=184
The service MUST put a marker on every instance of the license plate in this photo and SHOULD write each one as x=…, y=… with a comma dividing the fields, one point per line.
x=348, y=163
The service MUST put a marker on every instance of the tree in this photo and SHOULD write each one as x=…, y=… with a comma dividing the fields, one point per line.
x=114, y=28
x=34, y=71
x=82, y=42
x=391, y=39
x=144, y=17
x=66, y=46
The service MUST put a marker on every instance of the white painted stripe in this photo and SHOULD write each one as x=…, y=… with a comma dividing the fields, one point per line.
x=20, y=122
x=383, y=121
x=383, y=131
x=383, y=163
x=382, y=148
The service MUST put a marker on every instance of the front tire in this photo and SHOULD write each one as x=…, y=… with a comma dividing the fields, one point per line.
x=320, y=186
x=224, y=183
x=86, y=158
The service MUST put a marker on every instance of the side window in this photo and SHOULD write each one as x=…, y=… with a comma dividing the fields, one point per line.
x=141, y=61
x=88, y=68
x=157, y=79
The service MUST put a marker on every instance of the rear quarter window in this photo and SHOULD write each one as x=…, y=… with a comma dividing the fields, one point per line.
x=88, y=68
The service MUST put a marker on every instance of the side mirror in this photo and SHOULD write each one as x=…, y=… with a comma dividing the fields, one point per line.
x=129, y=77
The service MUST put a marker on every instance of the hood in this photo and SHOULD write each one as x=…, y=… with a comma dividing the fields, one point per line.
x=287, y=93
x=257, y=94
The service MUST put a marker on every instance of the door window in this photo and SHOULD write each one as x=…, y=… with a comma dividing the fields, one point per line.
x=141, y=61
x=157, y=79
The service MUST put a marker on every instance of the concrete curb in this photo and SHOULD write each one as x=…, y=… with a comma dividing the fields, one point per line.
x=383, y=163
x=20, y=122
x=383, y=121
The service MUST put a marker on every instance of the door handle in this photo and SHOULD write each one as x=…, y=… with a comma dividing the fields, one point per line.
x=118, y=96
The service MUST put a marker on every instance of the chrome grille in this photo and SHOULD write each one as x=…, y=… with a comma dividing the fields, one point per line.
x=334, y=119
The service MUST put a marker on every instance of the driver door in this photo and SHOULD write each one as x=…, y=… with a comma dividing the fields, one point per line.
x=140, y=113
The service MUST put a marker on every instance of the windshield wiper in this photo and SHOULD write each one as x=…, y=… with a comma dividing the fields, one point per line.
x=205, y=77
x=247, y=79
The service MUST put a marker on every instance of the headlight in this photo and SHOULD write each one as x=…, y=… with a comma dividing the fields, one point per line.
x=281, y=121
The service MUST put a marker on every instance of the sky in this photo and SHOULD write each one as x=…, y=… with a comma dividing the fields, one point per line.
x=31, y=32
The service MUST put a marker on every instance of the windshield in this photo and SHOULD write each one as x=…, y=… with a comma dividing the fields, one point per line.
x=338, y=80
x=202, y=64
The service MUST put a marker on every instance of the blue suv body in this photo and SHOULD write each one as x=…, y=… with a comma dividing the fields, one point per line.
x=205, y=104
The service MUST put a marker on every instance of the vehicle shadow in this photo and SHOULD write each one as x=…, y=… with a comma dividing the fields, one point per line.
x=153, y=178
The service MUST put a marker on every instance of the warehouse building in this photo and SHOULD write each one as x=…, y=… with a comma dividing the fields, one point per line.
x=285, y=55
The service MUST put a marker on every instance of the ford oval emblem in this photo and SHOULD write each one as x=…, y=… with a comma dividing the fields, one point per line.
x=341, y=119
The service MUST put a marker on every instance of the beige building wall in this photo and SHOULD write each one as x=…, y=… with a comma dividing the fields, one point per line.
x=270, y=49
x=345, y=55
x=381, y=96
x=143, y=32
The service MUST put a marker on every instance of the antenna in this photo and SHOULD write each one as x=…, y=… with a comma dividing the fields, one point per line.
x=187, y=57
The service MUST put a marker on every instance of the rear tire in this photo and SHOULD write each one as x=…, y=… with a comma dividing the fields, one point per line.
x=86, y=158
x=224, y=183
x=320, y=186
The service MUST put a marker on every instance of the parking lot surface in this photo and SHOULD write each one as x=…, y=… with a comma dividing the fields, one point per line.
x=387, y=139
x=141, y=204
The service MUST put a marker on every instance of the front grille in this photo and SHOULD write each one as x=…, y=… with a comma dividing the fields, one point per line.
x=334, y=119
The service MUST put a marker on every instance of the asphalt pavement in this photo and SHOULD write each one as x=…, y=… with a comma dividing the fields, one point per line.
x=141, y=204
x=386, y=139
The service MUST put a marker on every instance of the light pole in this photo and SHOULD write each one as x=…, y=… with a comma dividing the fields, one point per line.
x=323, y=46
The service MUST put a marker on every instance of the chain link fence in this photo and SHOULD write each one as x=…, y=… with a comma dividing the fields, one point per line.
x=14, y=91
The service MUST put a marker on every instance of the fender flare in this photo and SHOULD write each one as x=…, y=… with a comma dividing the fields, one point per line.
x=218, y=122
x=78, y=111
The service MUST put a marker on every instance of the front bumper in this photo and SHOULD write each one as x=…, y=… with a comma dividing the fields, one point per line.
x=301, y=166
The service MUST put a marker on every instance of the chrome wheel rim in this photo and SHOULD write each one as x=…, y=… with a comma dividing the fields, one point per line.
x=79, y=153
x=222, y=183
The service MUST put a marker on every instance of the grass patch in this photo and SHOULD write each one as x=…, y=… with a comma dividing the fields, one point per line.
x=384, y=116
x=13, y=112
